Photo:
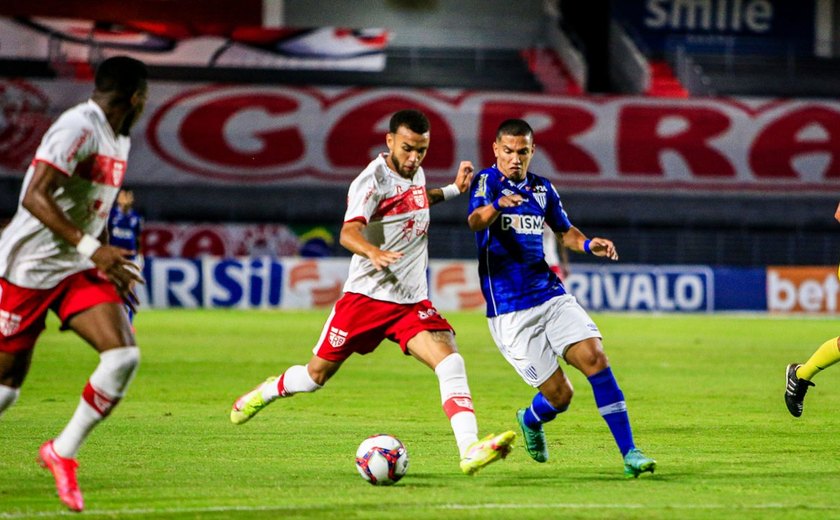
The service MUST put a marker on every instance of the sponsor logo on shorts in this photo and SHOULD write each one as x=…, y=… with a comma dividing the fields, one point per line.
x=337, y=337
x=9, y=323
x=428, y=313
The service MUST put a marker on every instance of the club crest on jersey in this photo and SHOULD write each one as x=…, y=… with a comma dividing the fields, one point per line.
x=9, y=323
x=540, y=199
x=337, y=337
x=419, y=195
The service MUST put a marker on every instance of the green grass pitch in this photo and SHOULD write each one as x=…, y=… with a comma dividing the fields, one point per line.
x=704, y=395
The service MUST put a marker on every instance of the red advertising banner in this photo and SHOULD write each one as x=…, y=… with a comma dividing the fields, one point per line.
x=257, y=134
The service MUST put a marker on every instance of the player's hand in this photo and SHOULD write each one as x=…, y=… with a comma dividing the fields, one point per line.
x=511, y=201
x=603, y=247
x=382, y=259
x=464, y=176
x=837, y=213
x=115, y=263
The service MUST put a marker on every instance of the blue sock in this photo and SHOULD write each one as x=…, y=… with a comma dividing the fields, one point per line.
x=540, y=412
x=610, y=401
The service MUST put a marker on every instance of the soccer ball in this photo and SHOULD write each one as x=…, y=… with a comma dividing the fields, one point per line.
x=382, y=459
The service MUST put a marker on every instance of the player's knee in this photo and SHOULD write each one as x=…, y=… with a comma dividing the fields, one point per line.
x=451, y=365
x=116, y=369
x=8, y=397
x=122, y=361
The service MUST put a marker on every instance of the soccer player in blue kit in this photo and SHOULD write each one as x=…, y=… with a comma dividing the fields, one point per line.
x=532, y=319
x=124, y=228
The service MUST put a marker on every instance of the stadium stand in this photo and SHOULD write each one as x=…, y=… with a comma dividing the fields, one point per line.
x=784, y=75
x=666, y=226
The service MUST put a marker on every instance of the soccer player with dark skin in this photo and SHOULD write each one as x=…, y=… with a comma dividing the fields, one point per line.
x=531, y=317
x=798, y=375
x=52, y=256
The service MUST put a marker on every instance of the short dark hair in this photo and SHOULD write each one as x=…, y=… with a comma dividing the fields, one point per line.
x=414, y=120
x=514, y=127
x=121, y=75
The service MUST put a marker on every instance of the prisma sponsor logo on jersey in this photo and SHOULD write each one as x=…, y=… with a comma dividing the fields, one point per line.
x=212, y=282
x=802, y=289
x=643, y=288
x=523, y=224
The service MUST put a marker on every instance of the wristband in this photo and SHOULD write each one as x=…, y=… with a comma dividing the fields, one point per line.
x=496, y=205
x=87, y=246
x=586, y=247
x=450, y=191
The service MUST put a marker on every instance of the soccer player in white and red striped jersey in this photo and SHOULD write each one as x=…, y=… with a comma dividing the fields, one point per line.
x=53, y=257
x=386, y=293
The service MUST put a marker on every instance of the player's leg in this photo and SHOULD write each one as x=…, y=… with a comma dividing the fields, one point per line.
x=437, y=349
x=14, y=366
x=106, y=328
x=294, y=380
x=521, y=339
x=340, y=337
x=22, y=316
x=90, y=306
x=798, y=377
x=553, y=398
x=588, y=356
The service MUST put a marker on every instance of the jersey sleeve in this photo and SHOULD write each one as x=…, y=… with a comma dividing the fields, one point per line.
x=67, y=143
x=362, y=198
x=555, y=216
x=482, y=190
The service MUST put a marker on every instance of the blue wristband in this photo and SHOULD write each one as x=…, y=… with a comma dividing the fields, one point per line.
x=496, y=205
x=586, y=247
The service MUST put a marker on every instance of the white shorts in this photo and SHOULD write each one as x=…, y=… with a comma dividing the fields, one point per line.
x=532, y=339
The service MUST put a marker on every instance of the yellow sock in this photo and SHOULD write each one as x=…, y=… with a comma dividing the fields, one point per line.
x=822, y=358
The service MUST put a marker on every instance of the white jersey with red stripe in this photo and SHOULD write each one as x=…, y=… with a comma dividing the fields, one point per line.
x=82, y=145
x=396, y=211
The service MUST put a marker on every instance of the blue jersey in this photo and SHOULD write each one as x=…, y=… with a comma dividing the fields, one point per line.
x=124, y=229
x=511, y=261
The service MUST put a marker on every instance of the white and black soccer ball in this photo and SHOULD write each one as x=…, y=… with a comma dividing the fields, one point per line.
x=382, y=459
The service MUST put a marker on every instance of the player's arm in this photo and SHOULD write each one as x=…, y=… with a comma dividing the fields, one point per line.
x=575, y=240
x=484, y=216
x=462, y=183
x=837, y=213
x=352, y=239
x=38, y=200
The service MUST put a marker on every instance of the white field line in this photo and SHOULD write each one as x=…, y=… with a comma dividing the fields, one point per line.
x=473, y=507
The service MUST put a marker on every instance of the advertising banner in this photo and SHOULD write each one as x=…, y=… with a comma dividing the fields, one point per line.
x=747, y=26
x=802, y=289
x=264, y=282
x=240, y=135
